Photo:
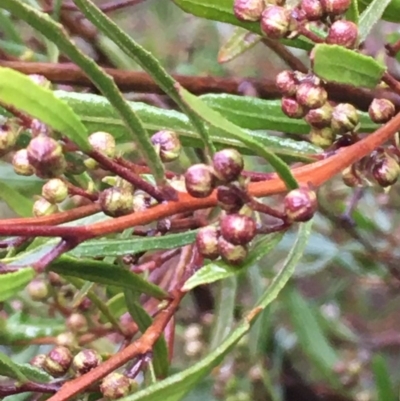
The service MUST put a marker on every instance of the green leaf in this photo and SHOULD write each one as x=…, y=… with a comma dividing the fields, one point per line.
x=384, y=387
x=370, y=16
x=337, y=64
x=145, y=59
x=97, y=114
x=106, y=85
x=215, y=271
x=20, y=91
x=352, y=13
x=238, y=43
x=119, y=247
x=222, y=10
x=10, y=369
x=116, y=306
x=34, y=374
x=104, y=273
x=11, y=283
x=392, y=12
x=144, y=321
x=17, y=202
x=309, y=333
x=175, y=387
x=22, y=327
x=217, y=120
x=260, y=114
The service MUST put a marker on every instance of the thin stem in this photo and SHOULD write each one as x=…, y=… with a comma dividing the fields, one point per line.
x=15, y=388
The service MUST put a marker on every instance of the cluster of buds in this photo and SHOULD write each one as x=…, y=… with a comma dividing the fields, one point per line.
x=278, y=21
x=230, y=240
x=54, y=191
x=202, y=179
x=305, y=97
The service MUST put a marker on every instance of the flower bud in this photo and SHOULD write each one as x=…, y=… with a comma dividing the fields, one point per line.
x=312, y=9
x=228, y=199
x=351, y=178
x=168, y=145
x=8, y=137
x=232, y=254
x=207, y=242
x=386, y=171
x=238, y=229
x=141, y=201
x=103, y=142
x=345, y=118
x=75, y=163
x=199, y=180
x=292, y=108
x=77, y=323
x=343, y=33
x=43, y=207
x=322, y=137
x=67, y=340
x=275, y=22
x=335, y=7
x=85, y=361
x=40, y=80
x=116, y=202
x=58, y=361
x=55, y=190
x=46, y=155
x=287, y=83
x=38, y=290
x=38, y=361
x=248, y=10
x=228, y=164
x=321, y=117
x=300, y=204
x=311, y=96
x=381, y=111
x=115, y=386
x=21, y=163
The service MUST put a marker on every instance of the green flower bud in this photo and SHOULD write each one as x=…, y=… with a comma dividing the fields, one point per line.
x=38, y=290
x=167, y=144
x=58, y=361
x=287, y=83
x=351, y=178
x=77, y=323
x=115, y=386
x=312, y=9
x=116, y=202
x=207, y=242
x=292, y=108
x=385, y=170
x=275, y=22
x=345, y=118
x=55, y=190
x=321, y=117
x=21, y=163
x=103, y=142
x=8, y=137
x=311, y=96
x=141, y=201
x=232, y=254
x=43, y=207
x=323, y=137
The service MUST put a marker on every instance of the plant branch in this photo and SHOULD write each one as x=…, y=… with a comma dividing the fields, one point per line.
x=139, y=347
x=138, y=81
x=15, y=388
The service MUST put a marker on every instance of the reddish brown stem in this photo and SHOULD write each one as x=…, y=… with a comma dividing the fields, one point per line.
x=106, y=7
x=139, y=347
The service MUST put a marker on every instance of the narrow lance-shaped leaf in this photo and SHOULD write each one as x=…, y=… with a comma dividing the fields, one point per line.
x=238, y=43
x=217, y=120
x=175, y=387
x=16, y=201
x=104, y=273
x=11, y=283
x=10, y=369
x=54, y=32
x=370, y=16
x=338, y=64
x=146, y=60
x=20, y=91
